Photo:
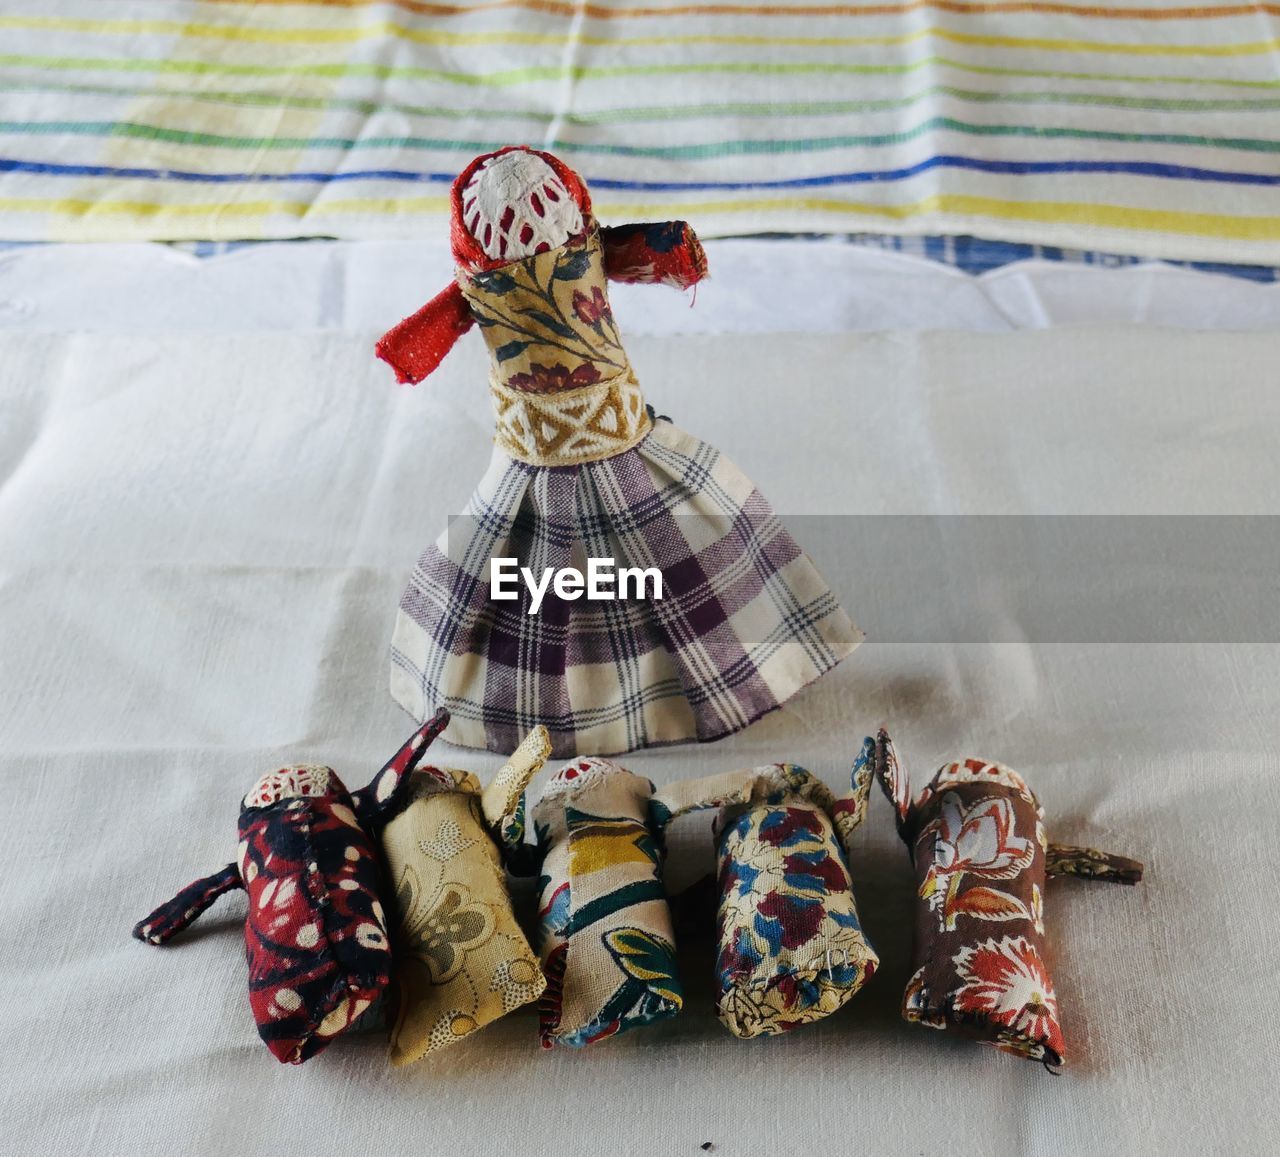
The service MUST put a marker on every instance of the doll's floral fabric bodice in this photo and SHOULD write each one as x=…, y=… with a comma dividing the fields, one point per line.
x=562, y=386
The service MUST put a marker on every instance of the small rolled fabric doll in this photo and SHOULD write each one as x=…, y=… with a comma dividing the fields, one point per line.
x=605, y=927
x=977, y=840
x=791, y=948
x=316, y=931
x=581, y=468
x=461, y=959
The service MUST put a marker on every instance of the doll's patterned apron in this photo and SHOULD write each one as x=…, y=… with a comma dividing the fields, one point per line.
x=581, y=468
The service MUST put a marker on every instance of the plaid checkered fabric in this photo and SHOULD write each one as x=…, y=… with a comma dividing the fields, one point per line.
x=745, y=619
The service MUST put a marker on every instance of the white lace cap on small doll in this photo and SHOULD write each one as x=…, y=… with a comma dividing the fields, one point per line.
x=515, y=206
x=292, y=782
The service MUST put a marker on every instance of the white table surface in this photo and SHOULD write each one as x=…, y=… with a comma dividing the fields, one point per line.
x=203, y=538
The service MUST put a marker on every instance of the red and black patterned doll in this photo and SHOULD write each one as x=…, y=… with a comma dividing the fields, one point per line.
x=582, y=468
x=316, y=932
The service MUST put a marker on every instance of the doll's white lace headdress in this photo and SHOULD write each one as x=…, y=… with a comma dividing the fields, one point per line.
x=515, y=205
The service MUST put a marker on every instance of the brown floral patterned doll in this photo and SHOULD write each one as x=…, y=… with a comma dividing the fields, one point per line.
x=977, y=839
x=582, y=468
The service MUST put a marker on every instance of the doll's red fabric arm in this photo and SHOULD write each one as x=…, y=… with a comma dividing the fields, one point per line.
x=659, y=253
x=419, y=343
x=656, y=253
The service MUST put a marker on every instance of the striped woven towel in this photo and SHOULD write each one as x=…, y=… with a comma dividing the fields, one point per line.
x=1134, y=128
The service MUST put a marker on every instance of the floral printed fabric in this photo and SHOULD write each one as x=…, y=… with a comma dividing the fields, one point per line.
x=316, y=936
x=316, y=932
x=461, y=959
x=791, y=949
x=563, y=391
x=978, y=842
x=547, y=318
x=606, y=938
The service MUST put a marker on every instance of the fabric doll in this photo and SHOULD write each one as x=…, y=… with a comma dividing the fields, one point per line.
x=582, y=468
x=790, y=947
x=605, y=932
x=461, y=959
x=316, y=930
x=977, y=840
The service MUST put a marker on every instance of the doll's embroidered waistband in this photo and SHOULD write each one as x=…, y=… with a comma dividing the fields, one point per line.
x=571, y=427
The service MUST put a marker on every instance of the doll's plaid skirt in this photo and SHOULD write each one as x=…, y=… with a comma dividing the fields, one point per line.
x=745, y=619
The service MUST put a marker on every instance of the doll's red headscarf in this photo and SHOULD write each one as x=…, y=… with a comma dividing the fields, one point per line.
x=668, y=253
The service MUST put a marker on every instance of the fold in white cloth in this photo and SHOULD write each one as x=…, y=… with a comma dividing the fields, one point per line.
x=756, y=286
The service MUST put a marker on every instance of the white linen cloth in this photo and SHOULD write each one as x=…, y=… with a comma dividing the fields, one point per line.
x=756, y=286
x=202, y=542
